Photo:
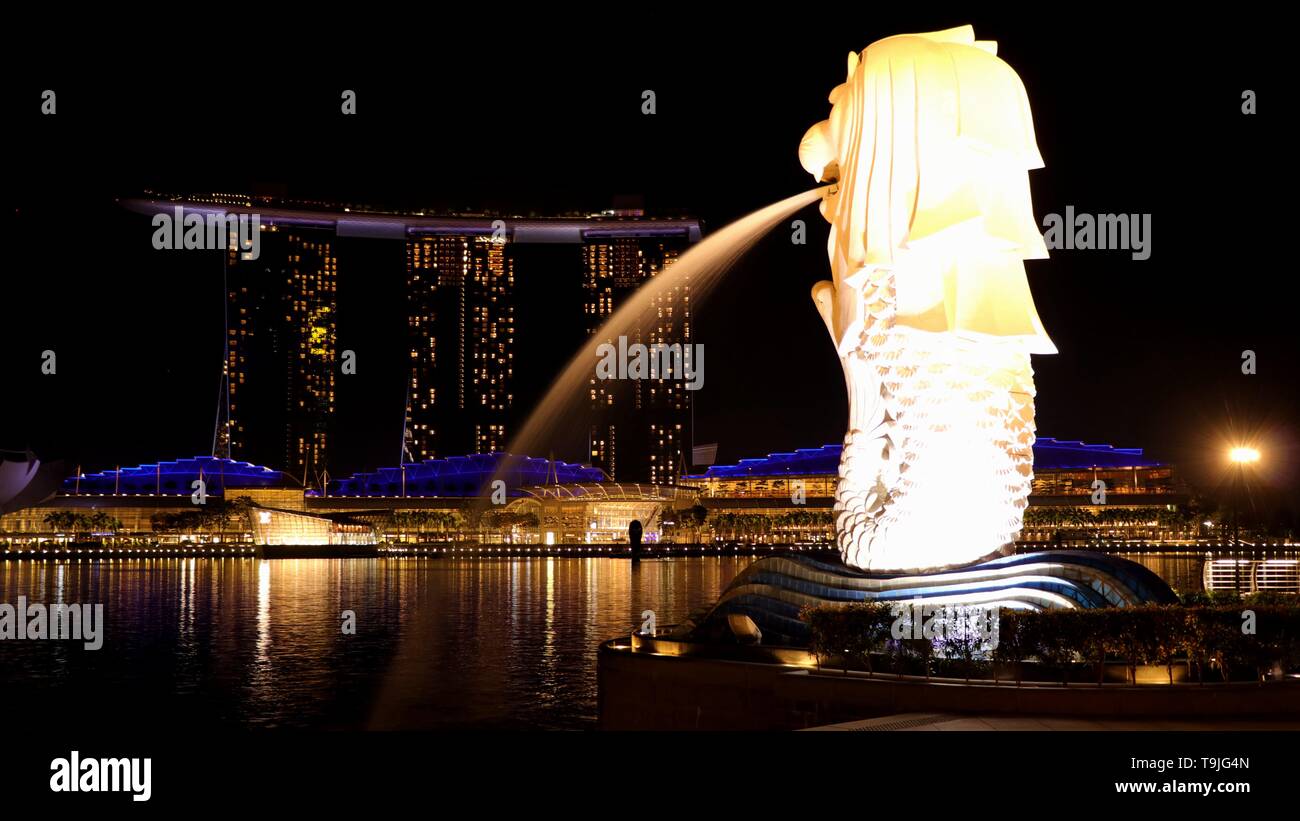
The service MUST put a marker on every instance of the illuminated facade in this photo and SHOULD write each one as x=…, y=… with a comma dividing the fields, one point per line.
x=281, y=355
x=1063, y=468
x=595, y=512
x=135, y=498
x=1143, y=498
x=640, y=428
x=286, y=527
x=780, y=499
x=810, y=471
x=461, y=332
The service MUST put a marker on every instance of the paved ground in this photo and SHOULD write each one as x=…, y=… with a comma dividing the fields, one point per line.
x=941, y=722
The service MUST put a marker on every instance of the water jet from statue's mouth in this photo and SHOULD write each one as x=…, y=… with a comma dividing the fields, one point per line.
x=701, y=267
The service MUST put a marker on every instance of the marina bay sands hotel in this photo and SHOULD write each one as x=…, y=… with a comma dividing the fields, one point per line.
x=466, y=281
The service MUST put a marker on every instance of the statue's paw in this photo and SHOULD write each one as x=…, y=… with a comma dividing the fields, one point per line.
x=823, y=295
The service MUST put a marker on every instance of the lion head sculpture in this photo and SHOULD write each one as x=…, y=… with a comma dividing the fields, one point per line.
x=928, y=144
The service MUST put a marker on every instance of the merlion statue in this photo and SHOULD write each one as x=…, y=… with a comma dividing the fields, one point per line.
x=926, y=154
x=928, y=148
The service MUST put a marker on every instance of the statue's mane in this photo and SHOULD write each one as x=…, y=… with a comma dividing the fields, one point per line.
x=929, y=131
x=928, y=145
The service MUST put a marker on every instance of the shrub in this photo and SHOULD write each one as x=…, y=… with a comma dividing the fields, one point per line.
x=1204, y=634
x=849, y=633
x=1012, y=639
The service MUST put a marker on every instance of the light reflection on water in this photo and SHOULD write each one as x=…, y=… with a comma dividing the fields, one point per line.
x=440, y=643
x=1181, y=571
x=1184, y=572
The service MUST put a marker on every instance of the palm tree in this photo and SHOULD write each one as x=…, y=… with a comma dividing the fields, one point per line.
x=98, y=522
x=162, y=522
x=60, y=521
x=81, y=523
x=239, y=511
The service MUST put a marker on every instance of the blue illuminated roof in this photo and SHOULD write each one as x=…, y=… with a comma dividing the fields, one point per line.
x=1049, y=454
x=1060, y=454
x=463, y=476
x=802, y=462
x=176, y=478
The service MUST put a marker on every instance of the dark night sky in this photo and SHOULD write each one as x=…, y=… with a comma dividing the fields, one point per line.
x=1131, y=116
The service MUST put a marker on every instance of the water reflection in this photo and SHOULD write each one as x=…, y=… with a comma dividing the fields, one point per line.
x=439, y=643
x=1184, y=572
x=1181, y=571
x=263, y=612
x=444, y=643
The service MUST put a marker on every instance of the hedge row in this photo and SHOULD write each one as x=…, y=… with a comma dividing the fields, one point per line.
x=1222, y=640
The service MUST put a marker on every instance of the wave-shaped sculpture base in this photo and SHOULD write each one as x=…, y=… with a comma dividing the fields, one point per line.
x=772, y=591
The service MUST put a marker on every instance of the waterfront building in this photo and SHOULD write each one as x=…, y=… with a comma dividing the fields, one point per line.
x=541, y=501
x=158, y=501
x=1142, y=499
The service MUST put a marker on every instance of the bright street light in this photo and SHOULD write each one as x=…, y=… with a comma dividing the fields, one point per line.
x=1240, y=456
x=1243, y=455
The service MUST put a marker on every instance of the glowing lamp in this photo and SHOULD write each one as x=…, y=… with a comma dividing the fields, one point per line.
x=1243, y=456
